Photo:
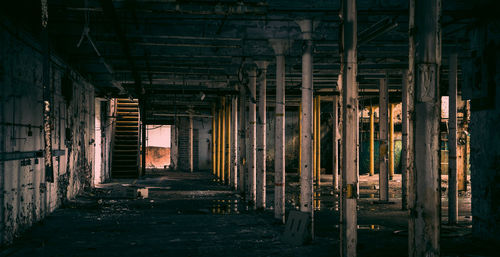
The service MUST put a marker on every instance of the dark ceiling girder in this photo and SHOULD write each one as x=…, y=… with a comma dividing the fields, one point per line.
x=110, y=13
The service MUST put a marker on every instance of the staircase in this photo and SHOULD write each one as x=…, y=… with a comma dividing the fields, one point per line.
x=126, y=140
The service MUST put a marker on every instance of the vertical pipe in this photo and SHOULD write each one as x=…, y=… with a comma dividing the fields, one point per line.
x=228, y=143
x=261, y=137
x=279, y=136
x=391, y=141
x=424, y=222
x=452, y=142
x=350, y=123
x=372, y=141
x=234, y=146
x=252, y=116
x=242, y=140
x=214, y=163
x=383, y=151
x=306, y=176
x=223, y=142
x=335, y=144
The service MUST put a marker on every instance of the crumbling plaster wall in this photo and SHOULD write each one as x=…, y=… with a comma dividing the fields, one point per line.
x=25, y=196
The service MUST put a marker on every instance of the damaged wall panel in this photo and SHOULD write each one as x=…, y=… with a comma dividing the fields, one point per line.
x=27, y=198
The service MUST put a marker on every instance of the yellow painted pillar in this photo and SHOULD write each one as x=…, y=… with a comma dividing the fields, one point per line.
x=391, y=141
x=219, y=141
x=300, y=137
x=214, y=149
x=372, y=141
x=228, y=144
x=314, y=139
x=223, y=143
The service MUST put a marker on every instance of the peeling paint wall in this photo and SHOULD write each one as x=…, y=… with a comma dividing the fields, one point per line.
x=26, y=197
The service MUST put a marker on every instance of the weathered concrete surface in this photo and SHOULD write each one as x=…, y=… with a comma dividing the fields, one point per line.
x=189, y=214
x=27, y=198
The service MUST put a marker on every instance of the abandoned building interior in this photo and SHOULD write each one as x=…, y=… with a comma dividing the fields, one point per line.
x=249, y=128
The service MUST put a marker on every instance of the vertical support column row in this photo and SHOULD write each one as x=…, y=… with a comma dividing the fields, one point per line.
x=279, y=47
x=452, y=142
x=261, y=137
x=306, y=174
x=252, y=151
x=349, y=192
x=425, y=214
x=383, y=148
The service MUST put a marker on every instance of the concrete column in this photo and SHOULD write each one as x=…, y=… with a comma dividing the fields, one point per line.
x=306, y=174
x=279, y=47
x=407, y=137
x=252, y=117
x=350, y=124
x=335, y=144
x=191, y=152
x=424, y=222
x=261, y=137
x=383, y=148
x=234, y=144
x=242, y=145
x=452, y=142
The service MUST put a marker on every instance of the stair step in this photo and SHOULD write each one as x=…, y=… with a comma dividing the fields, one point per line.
x=127, y=118
x=125, y=126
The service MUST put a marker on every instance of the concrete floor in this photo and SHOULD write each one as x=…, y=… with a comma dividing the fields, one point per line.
x=189, y=214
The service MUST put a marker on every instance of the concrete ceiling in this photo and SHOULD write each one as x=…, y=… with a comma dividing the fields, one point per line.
x=163, y=46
